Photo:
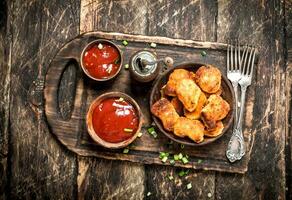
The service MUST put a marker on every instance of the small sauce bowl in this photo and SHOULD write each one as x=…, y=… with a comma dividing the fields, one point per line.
x=90, y=126
x=99, y=51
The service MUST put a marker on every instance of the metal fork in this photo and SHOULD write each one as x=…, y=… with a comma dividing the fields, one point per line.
x=236, y=146
x=234, y=75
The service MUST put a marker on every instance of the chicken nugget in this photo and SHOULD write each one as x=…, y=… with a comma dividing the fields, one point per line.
x=188, y=93
x=219, y=92
x=208, y=78
x=216, y=109
x=216, y=131
x=174, y=77
x=196, y=114
x=194, y=129
x=165, y=111
x=177, y=105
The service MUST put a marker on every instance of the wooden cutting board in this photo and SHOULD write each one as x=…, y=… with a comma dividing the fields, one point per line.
x=69, y=93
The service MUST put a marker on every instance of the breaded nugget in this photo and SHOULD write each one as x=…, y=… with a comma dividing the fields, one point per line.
x=217, y=130
x=219, y=92
x=177, y=105
x=196, y=114
x=188, y=93
x=208, y=78
x=165, y=111
x=216, y=109
x=194, y=129
x=174, y=77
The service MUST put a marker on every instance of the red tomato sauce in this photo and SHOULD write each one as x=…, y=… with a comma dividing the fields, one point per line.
x=101, y=60
x=115, y=120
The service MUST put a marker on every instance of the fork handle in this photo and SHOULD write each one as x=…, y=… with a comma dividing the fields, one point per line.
x=236, y=145
x=242, y=103
x=235, y=88
x=240, y=120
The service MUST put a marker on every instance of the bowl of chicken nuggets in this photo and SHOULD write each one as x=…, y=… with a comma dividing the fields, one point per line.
x=192, y=104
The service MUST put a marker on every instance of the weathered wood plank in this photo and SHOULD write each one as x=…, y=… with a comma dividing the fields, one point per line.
x=40, y=168
x=288, y=129
x=127, y=16
x=175, y=19
x=5, y=69
x=261, y=25
x=161, y=187
x=103, y=179
x=181, y=19
x=209, y=12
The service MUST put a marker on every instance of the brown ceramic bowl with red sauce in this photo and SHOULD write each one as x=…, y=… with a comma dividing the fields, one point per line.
x=114, y=120
x=101, y=60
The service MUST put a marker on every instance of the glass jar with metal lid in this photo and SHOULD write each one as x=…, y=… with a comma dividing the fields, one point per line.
x=144, y=66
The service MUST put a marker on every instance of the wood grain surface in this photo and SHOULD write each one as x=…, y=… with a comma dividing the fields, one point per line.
x=288, y=103
x=34, y=165
x=5, y=68
x=265, y=111
x=38, y=166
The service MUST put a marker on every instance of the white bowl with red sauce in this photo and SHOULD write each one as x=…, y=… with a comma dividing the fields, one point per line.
x=114, y=120
x=101, y=60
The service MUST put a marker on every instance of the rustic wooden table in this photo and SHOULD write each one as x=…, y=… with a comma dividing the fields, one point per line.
x=33, y=164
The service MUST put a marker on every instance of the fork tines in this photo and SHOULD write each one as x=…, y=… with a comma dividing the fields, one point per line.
x=240, y=59
x=248, y=58
x=233, y=57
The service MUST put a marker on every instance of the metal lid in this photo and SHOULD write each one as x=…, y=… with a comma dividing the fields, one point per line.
x=143, y=70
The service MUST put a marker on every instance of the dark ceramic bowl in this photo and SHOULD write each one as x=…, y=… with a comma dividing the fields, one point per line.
x=227, y=94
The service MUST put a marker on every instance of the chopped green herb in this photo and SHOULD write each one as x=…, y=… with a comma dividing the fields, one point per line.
x=153, y=45
x=128, y=130
x=181, y=173
x=180, y=156
x=126, y=66
x=148, y=194
x=162, y=154
x=170, y=177
x=152, y=132
x=200, y=161
x=182, y=146
x=175, y=157
x=125, y=42
x=184, y=160
x=164, y=159
x=203, y=53
x=189, y=186
x=172, y=162
x=126, y=151
x=140, y=134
